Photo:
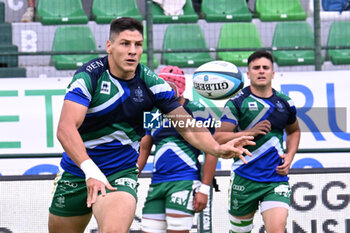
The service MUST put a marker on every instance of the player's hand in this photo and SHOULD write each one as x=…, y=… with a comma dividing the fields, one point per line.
x=284, y=168
x=263, y=128
x=200, y=201
x=93, y=187
x=235, y=148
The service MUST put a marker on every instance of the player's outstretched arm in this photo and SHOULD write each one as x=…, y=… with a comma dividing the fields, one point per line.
x=226, y=132
x=201, y=138
x=72, y=116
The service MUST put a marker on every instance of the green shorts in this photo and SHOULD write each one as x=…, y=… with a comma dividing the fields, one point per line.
x=175, y=195
x=246, y=195
x=70, y=193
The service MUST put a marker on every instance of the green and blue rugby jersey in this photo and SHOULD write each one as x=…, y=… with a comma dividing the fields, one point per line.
x=245, y=110
x=113, y=125
x=175, y=159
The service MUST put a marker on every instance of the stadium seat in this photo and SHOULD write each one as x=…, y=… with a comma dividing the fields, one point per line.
x=226, y=10
x=12, y=72
x=72, y=38
x=8, y=60
x=61, y=12
x=293, y=35
x=104, y=11
x=7, y=46
x=6, y=34
x=247, y=38
x=279, y=10
x=339, y=35
x=185, y=36
x=144, y=55
x=2, y=12
x=189, y=16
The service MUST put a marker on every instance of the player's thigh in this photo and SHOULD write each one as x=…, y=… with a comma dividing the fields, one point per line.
x=180, y=195
x=153, y=211
x=244, y=196
x=277, y=195
x=275, y=205
x=275, y=219
x=116, y=210
x=75, y=224
x=69, y=197
x=154, y=206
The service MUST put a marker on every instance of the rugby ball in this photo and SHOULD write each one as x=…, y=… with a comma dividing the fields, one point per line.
x=218, y=80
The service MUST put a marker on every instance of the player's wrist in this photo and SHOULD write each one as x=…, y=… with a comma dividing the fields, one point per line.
x=91, y=170
x=217, y=151
x=204, y=188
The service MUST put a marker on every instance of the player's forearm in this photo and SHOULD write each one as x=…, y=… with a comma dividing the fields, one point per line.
x=72, y=143
x=223, y=137
x=209, y=169
x=145, y=150
x=202, y=140
x=292, y=143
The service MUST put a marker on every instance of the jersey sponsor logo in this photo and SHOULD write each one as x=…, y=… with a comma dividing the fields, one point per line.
x=94, y=65
x=280, y=106
x=180, y=198
x=69, y=184
x=126, y=182
x=138, y=95
x=253, y=106
x=105, y=87
x=238, y=187
x=283, y=190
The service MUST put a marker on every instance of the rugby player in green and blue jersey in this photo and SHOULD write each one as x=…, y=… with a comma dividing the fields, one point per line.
x=176, y=191
x=260, y=111
x=100, y=127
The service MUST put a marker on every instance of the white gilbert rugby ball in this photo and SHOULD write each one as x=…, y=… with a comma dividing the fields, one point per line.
x=218, y=80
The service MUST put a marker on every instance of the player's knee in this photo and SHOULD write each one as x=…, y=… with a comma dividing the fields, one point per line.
x=153, y=226
x=241, y=225
x=179, y=224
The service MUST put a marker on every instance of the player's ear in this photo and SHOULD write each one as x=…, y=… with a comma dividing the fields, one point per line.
x=108, y=46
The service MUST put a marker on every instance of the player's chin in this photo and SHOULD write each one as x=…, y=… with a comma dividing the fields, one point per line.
x=131, y=66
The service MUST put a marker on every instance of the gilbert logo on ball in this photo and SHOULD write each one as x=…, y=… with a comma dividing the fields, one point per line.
x=218, y=80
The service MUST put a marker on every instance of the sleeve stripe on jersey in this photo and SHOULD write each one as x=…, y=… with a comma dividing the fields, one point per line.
x=165, y=95
x=159, y=88
x=77, y=96
x=292, y=106
x=80, y=84
x=227, y=114
x=224, y=118
x=201, y=114
x=291, y=103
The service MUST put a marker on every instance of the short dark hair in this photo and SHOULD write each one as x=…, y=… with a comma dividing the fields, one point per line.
x=259, y=54
x=122, y=24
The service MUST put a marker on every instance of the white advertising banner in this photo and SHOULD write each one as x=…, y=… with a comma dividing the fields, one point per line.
x=30, y=110
x=319, y=203
x=43, y=166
